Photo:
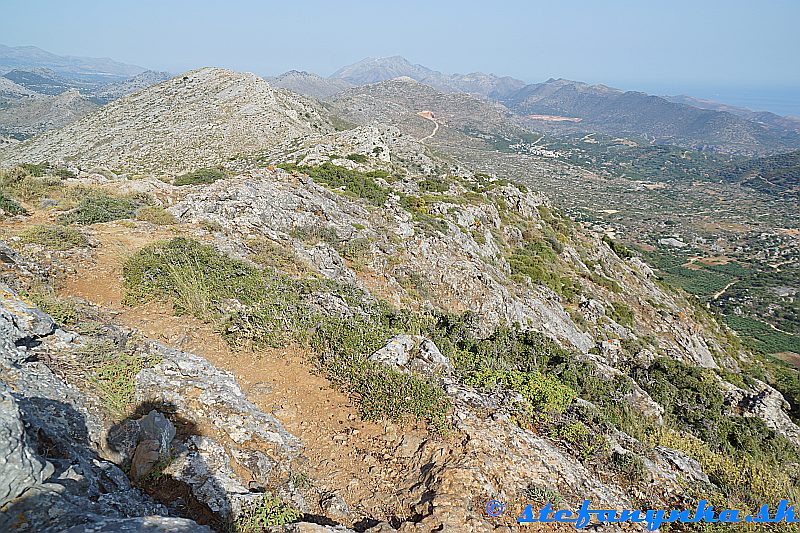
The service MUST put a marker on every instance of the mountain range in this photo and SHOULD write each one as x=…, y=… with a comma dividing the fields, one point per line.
x=224, y=302
x=556, y=106
x=88, y=68
x=198, y=119
x=561, y=106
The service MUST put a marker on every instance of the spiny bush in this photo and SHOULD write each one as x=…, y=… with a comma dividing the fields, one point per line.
x=266, y=512
x=314, y=234
x=354, y=183
x=622, y=314
x=200, y=176
x=155, y=215
x=102, y=208
x=629, y=465
x=579, y=437
x=54, y=237
x=271, y=309
x=358, y=158
x=387, y=393
x=355, y=249
x=10, y=206
x=274, y=255
x=62, y=310
x=115, y=380
x=618, y=248
x=538, y=262
x=436, y=185
x=544, y=495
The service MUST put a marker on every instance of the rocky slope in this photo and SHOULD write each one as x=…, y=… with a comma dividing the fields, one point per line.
x=310, y=84
x=25, y=118
x=401, y=101
x=29, y=57
x=194, y=120
x=375, y=70
x=629, y=113
x=347, y=332
x=115, y=90
x=10, y=90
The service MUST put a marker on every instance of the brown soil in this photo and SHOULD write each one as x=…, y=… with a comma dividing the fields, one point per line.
x=342, y=452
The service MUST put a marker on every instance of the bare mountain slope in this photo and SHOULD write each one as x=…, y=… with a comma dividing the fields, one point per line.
x=310, y=84
x=375, y=70
x=28, y=57
x=401, y=100
x=115, y=90
x=598, y=108
x=29, y=116
x=197, y=119
x=10, y=90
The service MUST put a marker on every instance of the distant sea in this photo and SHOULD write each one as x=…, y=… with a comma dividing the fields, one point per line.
x=779, y=100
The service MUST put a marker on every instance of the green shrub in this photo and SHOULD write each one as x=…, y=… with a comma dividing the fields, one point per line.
x=436, y=185
x=538, y=262
x=275, y=255
x=101, y=208
x=62, y=310
x=354, y=183
x=200, y=176
x=580, y=438
x=314, y=234
x=54, y=237
x=268, y=511
x=618, y=248
x=115, y=380
x=355, y=249
x=544, y=394
x=622, y=314
x=358, y=158
x=630, y=465
x=544, y=495
x=10, y=207
x=387, y=393
x=155, y=215
x=35, y=170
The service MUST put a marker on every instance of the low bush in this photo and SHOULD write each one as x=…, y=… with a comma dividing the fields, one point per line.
x=538, y=262
x=266, y=512
x=54, y=237
x=436, y=185
x=63, y=311
x=358, y=158
x=630, y=466
x=315, y=233
x=618, y=248
x=155, y=215
x=622, y=314
x=274, y=255
x=115, y=380
x=102, y=208
x=9, y=206
x=202, y=176
x=352, y=182
x=387, y=393
x=577, y=436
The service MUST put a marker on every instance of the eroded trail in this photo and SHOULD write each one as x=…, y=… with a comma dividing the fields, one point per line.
x=342, y=454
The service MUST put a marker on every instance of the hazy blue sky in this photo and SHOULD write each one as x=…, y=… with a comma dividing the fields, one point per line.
x=662, y=47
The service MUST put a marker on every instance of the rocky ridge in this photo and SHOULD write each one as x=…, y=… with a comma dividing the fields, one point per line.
x=201, y=117
x=341, y=226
